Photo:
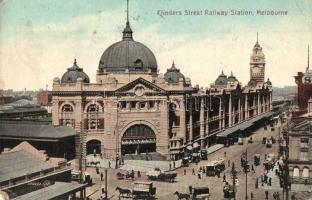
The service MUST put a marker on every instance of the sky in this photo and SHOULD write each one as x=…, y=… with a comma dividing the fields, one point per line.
x=39, y=39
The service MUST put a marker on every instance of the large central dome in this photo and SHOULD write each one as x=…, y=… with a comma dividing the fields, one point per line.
x=127, y=54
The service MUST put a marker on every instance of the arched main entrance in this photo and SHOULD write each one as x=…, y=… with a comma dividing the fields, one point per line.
x=137, y=139
x=93, y=146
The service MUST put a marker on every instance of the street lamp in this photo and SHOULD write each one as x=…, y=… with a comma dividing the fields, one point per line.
x=245, y=167
x=234, y=173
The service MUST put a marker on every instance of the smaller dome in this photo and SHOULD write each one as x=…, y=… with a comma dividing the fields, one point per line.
x=56, y=79
x=232, y=78
x=73, y=73
x=173, y=75
x=221, y=80
x=269, y=82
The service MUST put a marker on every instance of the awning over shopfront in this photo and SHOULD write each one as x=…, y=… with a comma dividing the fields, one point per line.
x=244, y=125
x=176, y=151
x=196, y=145
x=189, y=147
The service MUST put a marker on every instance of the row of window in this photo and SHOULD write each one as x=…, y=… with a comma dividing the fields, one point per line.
x=305, y=172
x=91, y=108
x=137, y=104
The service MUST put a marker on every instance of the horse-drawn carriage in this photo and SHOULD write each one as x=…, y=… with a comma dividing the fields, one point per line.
x=229, y=191
x=214, y=167
x=126, y=175
x=157, y=174
x=200, y=193
x=143, y=190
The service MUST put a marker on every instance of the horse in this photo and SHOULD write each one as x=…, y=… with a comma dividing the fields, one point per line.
x=182, y=196
x=124, y=192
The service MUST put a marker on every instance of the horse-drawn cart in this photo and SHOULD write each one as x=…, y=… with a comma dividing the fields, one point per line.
x=157, y=174
x=127, y=175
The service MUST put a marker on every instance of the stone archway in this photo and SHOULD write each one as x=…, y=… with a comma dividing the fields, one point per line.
x=138, y=138
x=93, y=146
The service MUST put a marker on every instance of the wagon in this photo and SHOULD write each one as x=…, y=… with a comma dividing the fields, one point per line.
x=214, y=166
x=143, y=190
x=158, y=175
x=257, y=159
x=201, y=193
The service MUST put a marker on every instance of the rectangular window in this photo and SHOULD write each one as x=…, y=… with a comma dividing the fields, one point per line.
x=304, y=142
x=304, y=156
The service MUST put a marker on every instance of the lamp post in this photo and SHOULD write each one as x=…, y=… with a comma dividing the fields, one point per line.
x=117, y=135
x=245, y=166
x=234, y=173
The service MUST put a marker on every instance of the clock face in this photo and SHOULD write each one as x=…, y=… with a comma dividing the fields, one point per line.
x=139, y=91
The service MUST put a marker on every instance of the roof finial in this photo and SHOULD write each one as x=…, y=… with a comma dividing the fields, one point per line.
x=75, y=61
x=127, y=11
x=308, y=58
x=231, y=73
x=127, y=32
x=222, y=73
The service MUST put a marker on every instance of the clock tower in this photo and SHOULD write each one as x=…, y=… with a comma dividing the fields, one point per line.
x=257, y=63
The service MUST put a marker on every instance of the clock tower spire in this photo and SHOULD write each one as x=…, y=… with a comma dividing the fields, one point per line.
x=257, y=63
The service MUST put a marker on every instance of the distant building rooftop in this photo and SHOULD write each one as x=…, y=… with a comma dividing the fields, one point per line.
x=18, y=164
x=17, y=129
x=54, y=191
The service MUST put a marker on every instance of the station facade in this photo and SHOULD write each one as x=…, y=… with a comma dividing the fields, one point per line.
x=133, y=109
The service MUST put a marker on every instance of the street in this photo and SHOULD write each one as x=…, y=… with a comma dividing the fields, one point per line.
x=165, y=190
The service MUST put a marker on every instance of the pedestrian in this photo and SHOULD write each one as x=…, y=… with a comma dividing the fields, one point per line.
x=97, y=170
x=193, y=171
x=173, y=164
x=252, y=168
x=184, y=171
x=251, y=196
x=190, y=189
x=139, y=174
x=204, y=171
x=169, y=166
x=109, y=164
x=229, y=163
x=257, y=184
x=270, y=181
x=224, y=177
x=101, y=176
x=132, y=173
x=225, y=154
x=199, y=175
x=266, y=195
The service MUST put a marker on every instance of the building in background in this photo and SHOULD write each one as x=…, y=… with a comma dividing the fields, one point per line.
x=28, y=173
x=304, y=83
x=300, y=152
x=44, y=99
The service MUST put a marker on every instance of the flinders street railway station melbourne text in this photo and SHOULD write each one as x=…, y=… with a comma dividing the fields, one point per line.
x=133, y=109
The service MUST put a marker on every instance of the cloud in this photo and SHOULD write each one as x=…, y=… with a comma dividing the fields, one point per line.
x=31, y=57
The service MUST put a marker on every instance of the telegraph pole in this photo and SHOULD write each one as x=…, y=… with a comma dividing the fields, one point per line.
x=234, y=179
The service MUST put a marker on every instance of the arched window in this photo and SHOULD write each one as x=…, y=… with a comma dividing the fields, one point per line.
x=93, y=108
x=67, y=108
x=138, y=64
x=296, y=172
x=305, y=173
